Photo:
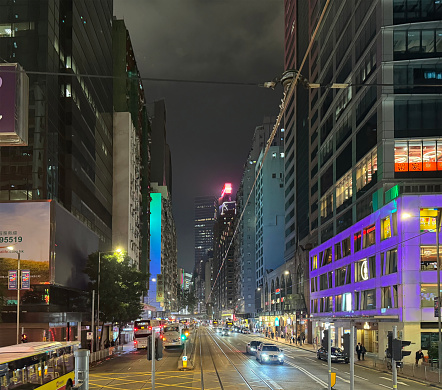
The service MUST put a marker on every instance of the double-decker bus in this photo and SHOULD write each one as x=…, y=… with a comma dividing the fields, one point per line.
x=38, y=365
x=172, y=335
x=142, y=329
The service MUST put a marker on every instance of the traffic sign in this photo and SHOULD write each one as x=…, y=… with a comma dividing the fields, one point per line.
x=184, y=358
x=89, y=335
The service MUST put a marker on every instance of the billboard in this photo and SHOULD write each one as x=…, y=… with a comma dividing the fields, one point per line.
x=14, y=104
x=160, y=288
x=26, y=227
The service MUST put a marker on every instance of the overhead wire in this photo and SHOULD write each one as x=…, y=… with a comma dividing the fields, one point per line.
x=283, y=107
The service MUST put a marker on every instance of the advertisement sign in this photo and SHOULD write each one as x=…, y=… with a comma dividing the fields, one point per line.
x=12, y=280
x=25, y=279
x=428, y=219
x=26, y=227
x=160, y=288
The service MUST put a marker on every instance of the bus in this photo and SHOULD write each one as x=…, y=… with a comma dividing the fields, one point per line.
x=172, y=335
x=142, y=329
x=38, y=365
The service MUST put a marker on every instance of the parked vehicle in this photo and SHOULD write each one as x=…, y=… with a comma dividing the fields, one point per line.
x=337, y=355
x=269, y=353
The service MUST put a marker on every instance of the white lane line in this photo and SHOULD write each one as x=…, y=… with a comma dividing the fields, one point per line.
x=380, y=384
x=402, y=383
x=361, y=377
x=383, y=377
x=342, y=379
x=315, y=378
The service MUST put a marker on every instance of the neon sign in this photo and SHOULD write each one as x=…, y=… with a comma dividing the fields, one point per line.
x=227, y=189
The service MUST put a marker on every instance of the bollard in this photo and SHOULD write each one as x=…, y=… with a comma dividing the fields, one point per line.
x=184, y=361
x=82, y=369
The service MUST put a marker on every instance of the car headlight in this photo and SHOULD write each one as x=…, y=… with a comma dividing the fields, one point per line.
x=252, y=349
x=281, y=356
x=264, y=356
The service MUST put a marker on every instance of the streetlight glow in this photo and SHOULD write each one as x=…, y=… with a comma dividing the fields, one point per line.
x=406, y=215
x=11, y=248
x=287, y=272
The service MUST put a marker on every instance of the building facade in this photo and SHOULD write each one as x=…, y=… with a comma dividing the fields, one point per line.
x=68, y=159
x=380, y=273
x=127, y=187
x=206, y=208
x=129, y=97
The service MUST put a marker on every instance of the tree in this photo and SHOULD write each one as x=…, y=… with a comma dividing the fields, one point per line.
x=121, y=287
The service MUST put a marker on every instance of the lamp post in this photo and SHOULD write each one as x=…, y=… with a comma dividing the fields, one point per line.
x=118, y=250
x=11, y=248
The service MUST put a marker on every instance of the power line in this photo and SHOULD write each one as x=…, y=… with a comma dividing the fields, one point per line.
x=135, y=78
x=283, y=108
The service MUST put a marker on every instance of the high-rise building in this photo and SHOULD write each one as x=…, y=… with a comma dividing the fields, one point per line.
x=206, y=208
x=223, y=294
x=68, y=159
x=129, y=97
x=383, y=130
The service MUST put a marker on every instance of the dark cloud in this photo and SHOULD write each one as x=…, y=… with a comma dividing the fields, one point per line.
x=209, y=126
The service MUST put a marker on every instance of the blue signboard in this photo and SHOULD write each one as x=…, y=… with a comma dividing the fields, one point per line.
x=276, y=321
x=25, y=279
x=12, y=280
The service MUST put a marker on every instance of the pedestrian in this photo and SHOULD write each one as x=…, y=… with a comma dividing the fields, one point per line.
x=291, y=338
x=303, y=338
x=359, y=350
x=299, y=340
x=419, y=355
x=273, y=335
x=363, y=350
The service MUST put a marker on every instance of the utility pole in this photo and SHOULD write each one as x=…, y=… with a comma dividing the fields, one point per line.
x=329, y=356
x=153, y=359
x=393, y=362
x=93, y=322
x=352, y=357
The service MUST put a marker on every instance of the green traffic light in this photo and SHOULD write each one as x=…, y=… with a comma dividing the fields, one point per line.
x=183, y=337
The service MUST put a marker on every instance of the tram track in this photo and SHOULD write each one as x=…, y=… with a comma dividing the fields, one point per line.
x=257, y=381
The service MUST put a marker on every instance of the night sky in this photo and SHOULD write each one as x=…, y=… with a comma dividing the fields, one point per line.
x=209, y=126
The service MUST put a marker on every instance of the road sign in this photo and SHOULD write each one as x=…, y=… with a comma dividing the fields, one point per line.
x=184, y=361
x=184, y=358
x=89, y=335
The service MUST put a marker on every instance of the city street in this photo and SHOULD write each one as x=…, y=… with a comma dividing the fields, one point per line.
x=221, y=362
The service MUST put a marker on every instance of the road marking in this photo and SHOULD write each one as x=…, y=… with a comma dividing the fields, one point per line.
x=380, y=384
x=315, y=378
x=360, y=377
x=383, y=377
x=402, y=383
x=342, y=379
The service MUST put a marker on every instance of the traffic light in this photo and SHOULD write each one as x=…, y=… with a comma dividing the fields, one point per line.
x=186, y=332
x=389, y=351
x=183, y=337
x=398, y=353
x=324, y=342
x=346, y=344
x=149, y=347
x=158, y=349
x=24, y=338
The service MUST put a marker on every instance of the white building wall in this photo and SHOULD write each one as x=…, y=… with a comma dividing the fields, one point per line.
x=126, y=187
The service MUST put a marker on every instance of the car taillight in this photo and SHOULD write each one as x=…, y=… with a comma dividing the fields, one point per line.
x=135, y=342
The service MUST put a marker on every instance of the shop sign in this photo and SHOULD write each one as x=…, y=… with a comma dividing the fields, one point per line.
x=276, y=321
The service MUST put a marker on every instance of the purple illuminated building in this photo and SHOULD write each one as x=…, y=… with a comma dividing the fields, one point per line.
x=378, y=273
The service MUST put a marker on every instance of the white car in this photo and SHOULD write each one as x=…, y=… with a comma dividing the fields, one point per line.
x=252, y=347
x=269, y=353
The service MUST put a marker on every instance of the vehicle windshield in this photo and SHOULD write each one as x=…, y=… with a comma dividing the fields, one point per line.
x=254, y=343
x=270, y=348
x=171, y=329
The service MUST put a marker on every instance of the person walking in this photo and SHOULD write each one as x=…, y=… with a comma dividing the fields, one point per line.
x=303, y=338
x=299, y=340
x=363, y=350
x=359, y=350
x=419, y=355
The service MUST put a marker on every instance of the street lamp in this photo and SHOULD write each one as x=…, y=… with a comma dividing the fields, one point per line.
x=11, y=249
x=118, y=250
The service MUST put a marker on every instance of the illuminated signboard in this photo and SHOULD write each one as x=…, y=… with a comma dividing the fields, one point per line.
x=428, y=219
x=277, y=291
x=364, y=270
x=416, y=156
x=227, y=189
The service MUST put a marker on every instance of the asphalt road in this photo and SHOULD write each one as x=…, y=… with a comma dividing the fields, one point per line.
x=221, y=363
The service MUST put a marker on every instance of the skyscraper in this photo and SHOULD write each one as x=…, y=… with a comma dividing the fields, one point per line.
x=206, y=208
